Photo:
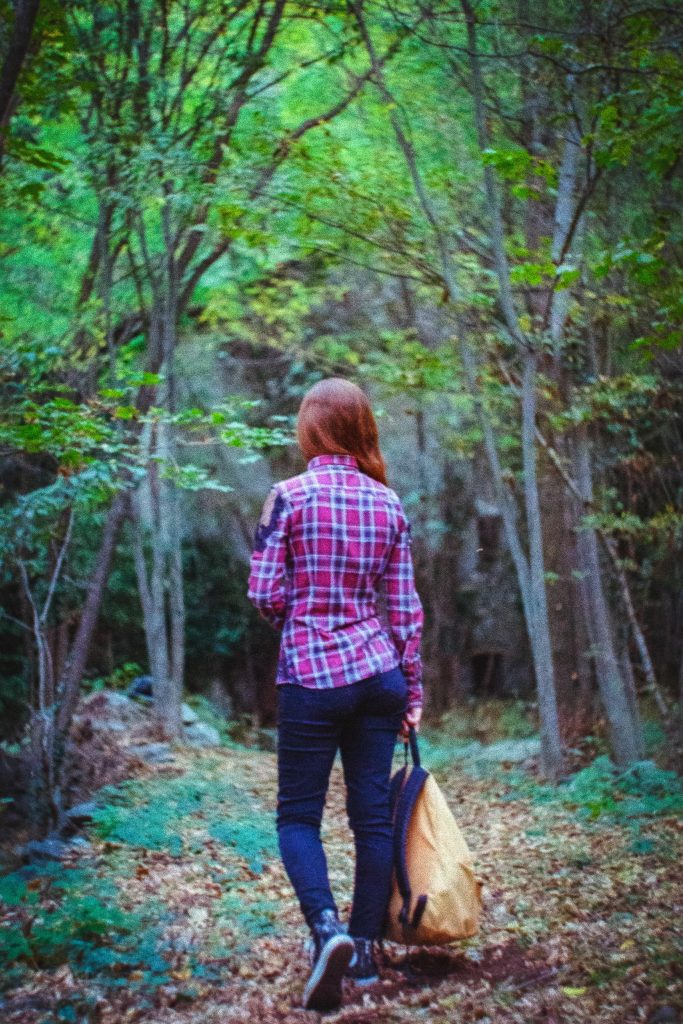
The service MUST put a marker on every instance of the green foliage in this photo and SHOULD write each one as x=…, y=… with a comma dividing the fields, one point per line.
x=70, y=915
x=251, y=838
x=119, y=679
x=81, y=916
x=604, y=793
x=248, y=915
x=639, y=791
x=177, y=815
x=488, y=721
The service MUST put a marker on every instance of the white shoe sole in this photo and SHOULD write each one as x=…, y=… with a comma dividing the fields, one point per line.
x=364, y=981
x=324, y=987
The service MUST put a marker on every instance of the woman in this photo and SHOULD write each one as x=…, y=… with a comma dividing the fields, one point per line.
x=329, y=542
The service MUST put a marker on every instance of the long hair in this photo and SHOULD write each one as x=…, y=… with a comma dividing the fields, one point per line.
x=335, y=418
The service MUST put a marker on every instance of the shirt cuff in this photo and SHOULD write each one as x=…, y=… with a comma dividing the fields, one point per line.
x=415, y=688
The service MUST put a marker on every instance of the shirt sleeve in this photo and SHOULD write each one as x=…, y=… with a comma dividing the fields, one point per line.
x=405, y=612
x=268, y=564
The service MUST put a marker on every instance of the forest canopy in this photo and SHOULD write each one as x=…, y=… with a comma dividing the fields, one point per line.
x=473, y=210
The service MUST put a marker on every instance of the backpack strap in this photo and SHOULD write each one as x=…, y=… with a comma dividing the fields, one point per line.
x=395, y=788
x=404, y=811
x=400, y=776
x=414, y=749
x=420, y=907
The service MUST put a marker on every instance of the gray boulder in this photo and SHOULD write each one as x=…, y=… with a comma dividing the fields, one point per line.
x=510, y=751
x=189, y=716
x=110, y=711
x=81, y=814
x=501, y=752
x=77, y=817
x=52, y=848
x=153, y=753
x=199, y=734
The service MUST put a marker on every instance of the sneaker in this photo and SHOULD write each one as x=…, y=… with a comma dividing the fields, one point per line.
x=331, y=951
x=363, y=966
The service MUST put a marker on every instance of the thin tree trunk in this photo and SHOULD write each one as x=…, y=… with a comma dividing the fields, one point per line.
x=540, y=631
x=622, y=717
x=167, y=578
x=158, y=640
x=47, y=802
x=680, y=712
x=563, y=219
x=69, y=684
x=539, y=624
x=170, y=494
x=176, y=596
x=18, y=44
x=144, y=589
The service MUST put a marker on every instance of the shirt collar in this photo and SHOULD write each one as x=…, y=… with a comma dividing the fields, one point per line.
x=350, y=461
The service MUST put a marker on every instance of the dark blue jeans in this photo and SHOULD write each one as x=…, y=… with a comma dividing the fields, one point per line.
x=362, y=721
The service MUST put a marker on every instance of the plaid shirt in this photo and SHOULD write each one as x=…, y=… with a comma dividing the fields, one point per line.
x=329, y=542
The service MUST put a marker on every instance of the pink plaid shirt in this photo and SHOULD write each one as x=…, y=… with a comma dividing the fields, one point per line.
x=328, y=542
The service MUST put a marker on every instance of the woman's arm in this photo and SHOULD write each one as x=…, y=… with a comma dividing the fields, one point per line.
x=405, y=612
x=267, y=570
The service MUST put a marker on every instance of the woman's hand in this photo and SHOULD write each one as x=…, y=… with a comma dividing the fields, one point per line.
x=412, y=718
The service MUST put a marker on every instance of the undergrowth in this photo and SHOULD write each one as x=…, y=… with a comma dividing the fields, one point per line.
x=642, y=790
x=606, y=794
x=179, y=814
x=61, y=914
x=56, y=914
x=488, y=721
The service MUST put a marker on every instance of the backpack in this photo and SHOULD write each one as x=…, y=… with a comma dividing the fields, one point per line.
x=436, y=897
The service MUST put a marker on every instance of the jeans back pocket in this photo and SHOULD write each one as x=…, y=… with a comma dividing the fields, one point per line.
x=388, y=693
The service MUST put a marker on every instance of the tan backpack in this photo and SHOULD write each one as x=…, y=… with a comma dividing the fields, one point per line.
x=436, y=897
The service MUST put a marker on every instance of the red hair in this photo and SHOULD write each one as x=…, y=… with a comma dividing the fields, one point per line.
x=335, y=418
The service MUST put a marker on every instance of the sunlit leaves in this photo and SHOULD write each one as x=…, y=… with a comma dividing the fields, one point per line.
x=515, y=164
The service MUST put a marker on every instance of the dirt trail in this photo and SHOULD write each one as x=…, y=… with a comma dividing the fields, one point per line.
x=580, y=925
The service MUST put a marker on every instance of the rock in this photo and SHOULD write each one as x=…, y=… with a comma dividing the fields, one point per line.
x=107, y=725
x=519, y=751
x=199, y=734
x=79, y=843
x=81, y=814
x=188, y=715
x=153, y=753
x=77, y=817
x=507, y=751
x=52, y=848
x=108, y=710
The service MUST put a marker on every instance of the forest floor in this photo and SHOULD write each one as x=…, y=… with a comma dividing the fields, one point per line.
x=179, y=910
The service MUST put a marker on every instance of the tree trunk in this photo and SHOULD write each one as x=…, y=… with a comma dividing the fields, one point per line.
x=69, y=684
x=153, y=590
x=680, y=713
x=18, y=44
x=161, y=590
x=170, y=497
x=539, y=633
x=622, y=715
